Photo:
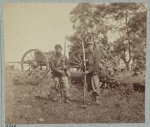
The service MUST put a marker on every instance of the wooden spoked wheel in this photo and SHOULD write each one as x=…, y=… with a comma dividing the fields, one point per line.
x=35, y=62
x=76, y=63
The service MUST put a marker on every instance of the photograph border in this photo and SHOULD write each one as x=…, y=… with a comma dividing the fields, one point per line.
x=147, y=80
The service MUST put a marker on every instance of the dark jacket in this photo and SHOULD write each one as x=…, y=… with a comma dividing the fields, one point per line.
x=58, y=62
x=92, y=62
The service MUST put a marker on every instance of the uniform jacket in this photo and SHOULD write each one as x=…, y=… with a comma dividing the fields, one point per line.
x=92, y=62
x=58, y=62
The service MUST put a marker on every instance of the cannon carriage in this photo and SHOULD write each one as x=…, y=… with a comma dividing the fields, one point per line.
x=35, y=59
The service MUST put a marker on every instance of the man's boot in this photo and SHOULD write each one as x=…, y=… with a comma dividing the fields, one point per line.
x=66, y=100
x=95, y=101
x=59, y=97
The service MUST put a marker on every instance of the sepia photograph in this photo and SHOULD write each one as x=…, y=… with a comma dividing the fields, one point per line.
x=74, y=63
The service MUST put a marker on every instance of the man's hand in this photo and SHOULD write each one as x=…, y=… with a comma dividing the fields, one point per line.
x=60, y=71
x=68, y=74
x=64, y=66
x=85, y=73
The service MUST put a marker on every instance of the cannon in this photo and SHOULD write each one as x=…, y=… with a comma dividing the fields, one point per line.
x=35, y=58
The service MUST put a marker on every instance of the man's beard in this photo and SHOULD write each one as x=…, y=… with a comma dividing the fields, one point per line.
x=58, y=53
x=90, y=51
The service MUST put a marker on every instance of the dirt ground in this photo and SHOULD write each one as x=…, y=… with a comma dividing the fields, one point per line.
x=29, y=104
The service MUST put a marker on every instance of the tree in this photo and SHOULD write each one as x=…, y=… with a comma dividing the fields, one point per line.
x=137, y=25
x=92, y=22
x=122, y=13
x=88, y=25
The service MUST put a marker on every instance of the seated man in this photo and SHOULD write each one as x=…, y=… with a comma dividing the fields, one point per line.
x=60, y=73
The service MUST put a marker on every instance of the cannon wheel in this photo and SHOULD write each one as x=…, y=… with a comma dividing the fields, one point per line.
x=76, y=63
x=29, y=63
x=76, y=60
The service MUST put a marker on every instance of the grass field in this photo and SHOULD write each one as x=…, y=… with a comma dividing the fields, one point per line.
x=29, y=104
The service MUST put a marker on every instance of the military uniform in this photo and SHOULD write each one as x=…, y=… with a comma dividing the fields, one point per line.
x=58, y=64
x=92, y=76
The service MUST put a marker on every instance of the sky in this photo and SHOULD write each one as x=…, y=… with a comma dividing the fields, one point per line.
x=35, y=26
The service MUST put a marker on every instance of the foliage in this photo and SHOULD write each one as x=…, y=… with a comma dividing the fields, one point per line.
x=92, y=22
x=88, y=25
x=120, y=105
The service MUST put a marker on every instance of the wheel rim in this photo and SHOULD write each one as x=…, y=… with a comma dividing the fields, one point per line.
x=34, y=59
x=76, y=61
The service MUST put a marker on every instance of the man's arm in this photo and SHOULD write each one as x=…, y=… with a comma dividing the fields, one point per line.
x=104, y=53
x=53, y=66
x=66, y=62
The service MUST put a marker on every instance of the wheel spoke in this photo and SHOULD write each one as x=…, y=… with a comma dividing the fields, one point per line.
x=76, y=59
x=31, y=56
x=28, y=58
x=26, y=65
x=26, y=62
x=28, y=69
x=74, y=62
x=30, y=73
x=79, y=56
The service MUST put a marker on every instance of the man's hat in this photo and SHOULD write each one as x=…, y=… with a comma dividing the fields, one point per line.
x=90, y=43
x=58, y=46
